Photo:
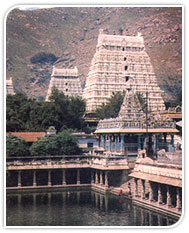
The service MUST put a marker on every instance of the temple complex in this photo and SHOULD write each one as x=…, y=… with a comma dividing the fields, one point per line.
x=135, y=153
x=121, y=63
x=147, y=136
x=9, y=86
x=65, y=80
x=134, y=129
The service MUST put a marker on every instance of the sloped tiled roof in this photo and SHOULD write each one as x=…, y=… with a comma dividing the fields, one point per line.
x=28, y=136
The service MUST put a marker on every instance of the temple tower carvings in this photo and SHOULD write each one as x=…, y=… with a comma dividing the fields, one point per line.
x=9, y=86
x=65, y=80
x=119, y=64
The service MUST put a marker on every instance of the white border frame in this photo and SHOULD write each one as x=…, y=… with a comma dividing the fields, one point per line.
x=132, y=4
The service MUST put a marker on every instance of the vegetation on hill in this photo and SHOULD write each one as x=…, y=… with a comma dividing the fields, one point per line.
x=69, y=33
x=43, y=57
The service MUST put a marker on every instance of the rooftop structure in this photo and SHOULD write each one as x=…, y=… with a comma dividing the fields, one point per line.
x=134, y=130
x=28, y=136
x=121, y=63
x=134, y=118
x=9, y=86
x=65, y=80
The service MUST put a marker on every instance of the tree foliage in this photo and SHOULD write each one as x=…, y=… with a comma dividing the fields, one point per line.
x=112, y=108
x=24, y=114
x=63, y=143
x=142, y=100
x=16, y=146
x=43, y=57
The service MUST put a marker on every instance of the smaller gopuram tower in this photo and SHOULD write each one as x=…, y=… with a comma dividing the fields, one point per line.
x=121, y=63
x=9, y=86
x=65, y=80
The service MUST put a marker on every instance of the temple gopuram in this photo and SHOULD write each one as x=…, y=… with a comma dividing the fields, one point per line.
x=9, y=86
x=65, y=80
x=121, y=63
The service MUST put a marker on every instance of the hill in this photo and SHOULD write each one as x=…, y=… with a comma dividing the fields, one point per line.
x=70, y=34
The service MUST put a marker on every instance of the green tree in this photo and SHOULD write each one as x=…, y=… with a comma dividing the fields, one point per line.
x=63, y=143
x=40, y=147
x=16, y=146
x=112, y=108
x=142, y=101
x=70, y=110
x=17, y=110
x=24, y=114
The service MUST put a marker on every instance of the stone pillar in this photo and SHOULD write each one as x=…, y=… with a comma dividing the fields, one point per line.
x=63, y=177
x=19, y=179
x=104, y=142
x=49, y=178
x=143, y=189
x=136, y=187
x=150, y=218
x=99, y=141
x=110, y=143
x=101, y=201
x=116, y=143
x=172, y=143
x=122, y=143
x=34, y=199
x=113, y=143
x=151, y=192
x=106, y=202
x=92, y=177
x=134, y=213
x=178, y=203
x=78, y=176
x=106, y=178
x=159, y=220
x=157, y=142
x=159, y=195
x=101, y=178
x=34, y=178
x=165, y=137
x=142, y=217
x=49, y=198
x=167, y=220
x=139, y=142
x=78, y=197
x=96, y=178
x=19, y=199
x=168, y=197
x=96, y=199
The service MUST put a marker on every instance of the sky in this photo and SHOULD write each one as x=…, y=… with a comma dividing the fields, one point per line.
x=33, y=7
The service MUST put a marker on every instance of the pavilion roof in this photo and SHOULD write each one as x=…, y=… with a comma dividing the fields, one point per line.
x=28, y=136
x=136, y=130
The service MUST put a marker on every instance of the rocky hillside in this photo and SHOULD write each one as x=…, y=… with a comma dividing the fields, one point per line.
x=71, y=35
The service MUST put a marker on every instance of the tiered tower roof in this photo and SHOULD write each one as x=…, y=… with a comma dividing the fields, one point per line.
x=133, y=115
x=65, y=80
x=9, y=86
x=121, y=63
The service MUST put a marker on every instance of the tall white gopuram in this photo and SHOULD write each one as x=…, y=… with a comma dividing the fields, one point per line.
x=121, y=63
x=65, y=80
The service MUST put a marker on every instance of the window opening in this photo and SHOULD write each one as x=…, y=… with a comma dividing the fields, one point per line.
x=127, y=78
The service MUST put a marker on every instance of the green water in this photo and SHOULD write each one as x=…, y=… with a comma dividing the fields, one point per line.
x=81, y=208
